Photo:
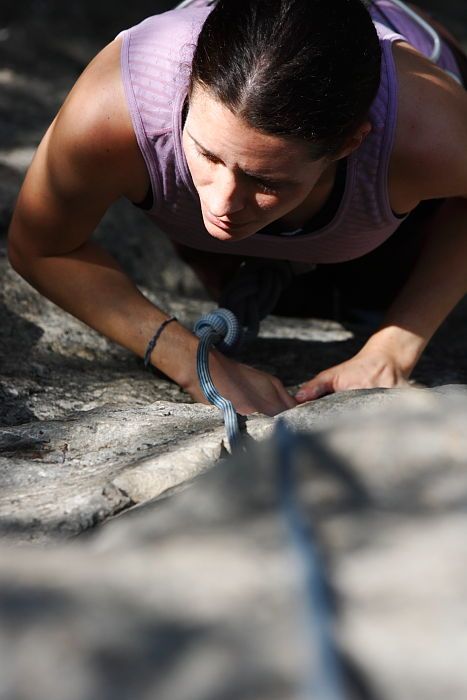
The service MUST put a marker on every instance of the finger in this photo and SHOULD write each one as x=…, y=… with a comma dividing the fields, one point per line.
x=283, y=400
x=314, y=390
x=287, y=398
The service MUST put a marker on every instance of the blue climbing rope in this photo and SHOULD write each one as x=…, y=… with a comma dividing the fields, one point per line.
x=222, y=330
x=250, y=297
x=327, y=676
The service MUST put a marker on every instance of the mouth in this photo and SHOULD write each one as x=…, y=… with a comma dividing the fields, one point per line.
x=225, y=225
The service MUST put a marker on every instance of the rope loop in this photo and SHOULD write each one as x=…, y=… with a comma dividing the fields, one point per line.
x=224, y=328
x=250, y=297
x=219, y=328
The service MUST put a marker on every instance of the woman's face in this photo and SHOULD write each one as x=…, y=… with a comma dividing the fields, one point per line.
x=245, y=179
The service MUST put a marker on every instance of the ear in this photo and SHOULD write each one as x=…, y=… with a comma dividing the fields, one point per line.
x=354, y=141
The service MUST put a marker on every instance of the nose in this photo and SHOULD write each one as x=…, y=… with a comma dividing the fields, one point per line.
x=226, y=196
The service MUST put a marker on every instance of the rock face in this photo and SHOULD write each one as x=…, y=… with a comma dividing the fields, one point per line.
x=192, y=588
x=62, y=477
x=204, y=594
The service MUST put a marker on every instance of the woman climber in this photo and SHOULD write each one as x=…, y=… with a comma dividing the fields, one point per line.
x=297, y=130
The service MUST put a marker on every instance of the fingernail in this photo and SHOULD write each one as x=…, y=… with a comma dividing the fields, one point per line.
x=301, y=396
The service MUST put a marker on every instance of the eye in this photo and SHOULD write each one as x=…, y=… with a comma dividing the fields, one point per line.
x=208, y=156
x=267, y=186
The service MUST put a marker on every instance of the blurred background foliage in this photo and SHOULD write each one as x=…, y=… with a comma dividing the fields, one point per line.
x=100, y=18
x=103, y=19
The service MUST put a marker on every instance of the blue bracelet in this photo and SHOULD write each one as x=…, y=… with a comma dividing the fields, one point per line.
x=154, y=339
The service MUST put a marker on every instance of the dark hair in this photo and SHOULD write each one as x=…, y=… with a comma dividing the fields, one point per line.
x=306, y=69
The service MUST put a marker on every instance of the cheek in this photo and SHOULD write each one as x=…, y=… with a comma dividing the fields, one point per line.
x=276, y=202
x=200, y=171
x=267, y=202
x=195, y=165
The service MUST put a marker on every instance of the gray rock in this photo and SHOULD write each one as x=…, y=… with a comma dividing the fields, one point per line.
x=201, y=595
x=52, y=367
x=59, y=478
x=198, y=595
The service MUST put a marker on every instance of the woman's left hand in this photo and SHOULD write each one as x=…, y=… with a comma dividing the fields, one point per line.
x=366, y=370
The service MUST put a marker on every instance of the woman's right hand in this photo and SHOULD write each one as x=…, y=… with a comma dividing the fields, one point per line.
x=249, y=389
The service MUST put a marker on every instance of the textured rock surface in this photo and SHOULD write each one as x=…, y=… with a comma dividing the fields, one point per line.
x=201, y=596
x=198, y=596
x=61, y=477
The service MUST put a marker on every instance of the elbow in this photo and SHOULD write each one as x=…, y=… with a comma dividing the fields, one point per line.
x=17, y=256
x=14, y=255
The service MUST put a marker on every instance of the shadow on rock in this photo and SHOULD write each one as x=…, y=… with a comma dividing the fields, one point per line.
x=295, y=361
x=18, y=334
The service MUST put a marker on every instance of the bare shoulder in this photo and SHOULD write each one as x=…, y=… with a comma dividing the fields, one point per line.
x=429, y=158
x=92, y=135
x=87, y=159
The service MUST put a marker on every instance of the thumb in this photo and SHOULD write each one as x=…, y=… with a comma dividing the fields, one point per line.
x=314, y=389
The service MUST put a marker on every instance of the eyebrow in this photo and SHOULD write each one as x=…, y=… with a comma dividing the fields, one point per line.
x=258, y=176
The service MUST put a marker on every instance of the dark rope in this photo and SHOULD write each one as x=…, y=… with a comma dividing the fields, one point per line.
x=254, y=291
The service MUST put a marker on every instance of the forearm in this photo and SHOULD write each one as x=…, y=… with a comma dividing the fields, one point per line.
x=89, y=284
x=437, y=283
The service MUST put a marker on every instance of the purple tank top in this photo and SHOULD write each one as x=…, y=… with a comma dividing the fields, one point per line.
x=156, y=58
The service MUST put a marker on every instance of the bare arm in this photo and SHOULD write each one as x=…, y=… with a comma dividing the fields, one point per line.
x=87, y=160
x=429, y=162
x=75, y=176
x=437, y=284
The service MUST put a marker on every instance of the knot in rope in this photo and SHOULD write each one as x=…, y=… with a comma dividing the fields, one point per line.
x=250, y=297
x=223, y=329
x=219, y=328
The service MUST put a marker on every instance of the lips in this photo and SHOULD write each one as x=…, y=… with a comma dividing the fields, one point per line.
x=225, y=225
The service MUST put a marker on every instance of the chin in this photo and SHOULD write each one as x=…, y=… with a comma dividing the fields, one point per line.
x=229, y=234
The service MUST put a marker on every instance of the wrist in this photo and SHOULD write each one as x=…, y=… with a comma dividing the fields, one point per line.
x=153, y=341
x=175, y=354
x=190, y=381
x=402, y=346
